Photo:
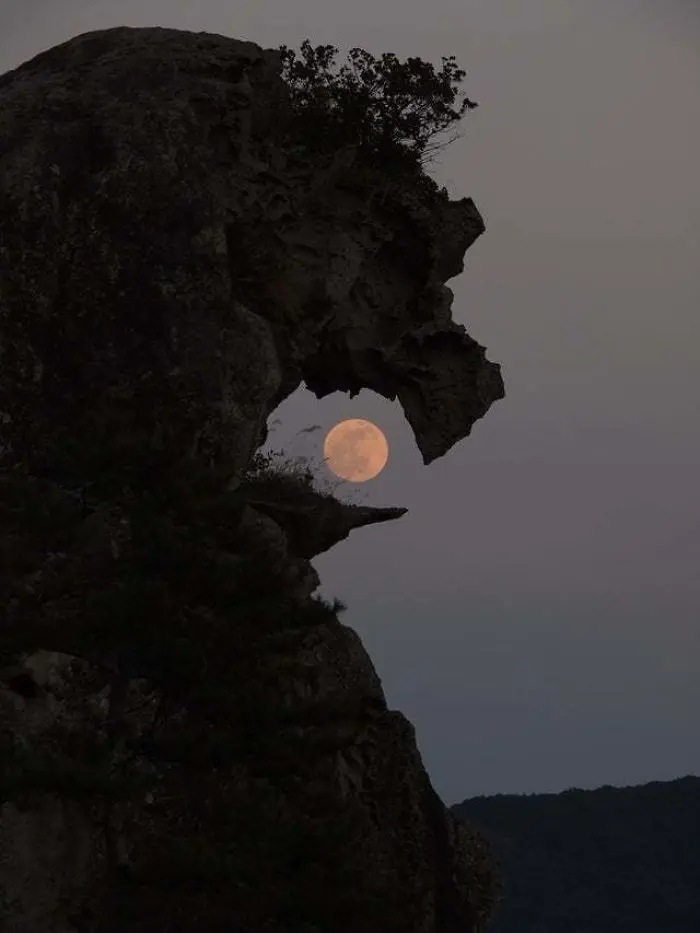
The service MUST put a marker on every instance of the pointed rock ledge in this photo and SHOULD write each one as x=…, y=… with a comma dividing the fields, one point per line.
x=315, y=527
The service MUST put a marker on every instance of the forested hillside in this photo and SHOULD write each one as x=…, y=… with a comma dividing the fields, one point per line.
x=610, y=860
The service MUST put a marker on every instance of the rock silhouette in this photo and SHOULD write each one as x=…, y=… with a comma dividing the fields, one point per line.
x=191, y=739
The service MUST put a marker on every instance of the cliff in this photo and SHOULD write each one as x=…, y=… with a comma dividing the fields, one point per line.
x=191, y=740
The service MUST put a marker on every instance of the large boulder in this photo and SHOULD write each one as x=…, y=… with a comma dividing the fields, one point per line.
x=190, y=739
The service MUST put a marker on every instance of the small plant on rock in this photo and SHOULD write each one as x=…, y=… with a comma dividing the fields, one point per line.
x=392, y=108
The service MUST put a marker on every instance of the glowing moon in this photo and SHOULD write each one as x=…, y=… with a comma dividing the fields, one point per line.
x=356, y=450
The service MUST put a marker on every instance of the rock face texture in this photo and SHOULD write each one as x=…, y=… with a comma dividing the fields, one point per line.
x=191, y=740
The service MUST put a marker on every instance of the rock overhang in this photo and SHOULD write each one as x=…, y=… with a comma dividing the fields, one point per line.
x=331, y=275
x=439, y=373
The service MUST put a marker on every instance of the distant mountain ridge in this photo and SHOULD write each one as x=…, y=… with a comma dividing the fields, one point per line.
x=609, y=860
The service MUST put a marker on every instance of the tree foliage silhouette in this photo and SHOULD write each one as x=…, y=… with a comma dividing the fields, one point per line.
x=392, y=109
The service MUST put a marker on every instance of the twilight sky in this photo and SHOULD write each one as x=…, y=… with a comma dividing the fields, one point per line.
x=536, y=614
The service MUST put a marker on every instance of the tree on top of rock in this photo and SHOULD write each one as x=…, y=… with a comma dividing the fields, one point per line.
x=391, y=108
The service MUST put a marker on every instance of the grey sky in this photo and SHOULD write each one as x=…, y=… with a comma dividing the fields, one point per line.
x=537, y=612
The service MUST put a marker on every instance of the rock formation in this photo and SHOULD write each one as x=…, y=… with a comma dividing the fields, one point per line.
x=191, y=740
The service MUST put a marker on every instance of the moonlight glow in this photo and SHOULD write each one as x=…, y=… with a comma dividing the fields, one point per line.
x=356, y=450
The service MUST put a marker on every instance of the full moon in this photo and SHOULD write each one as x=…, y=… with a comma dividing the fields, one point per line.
x=356, y=450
